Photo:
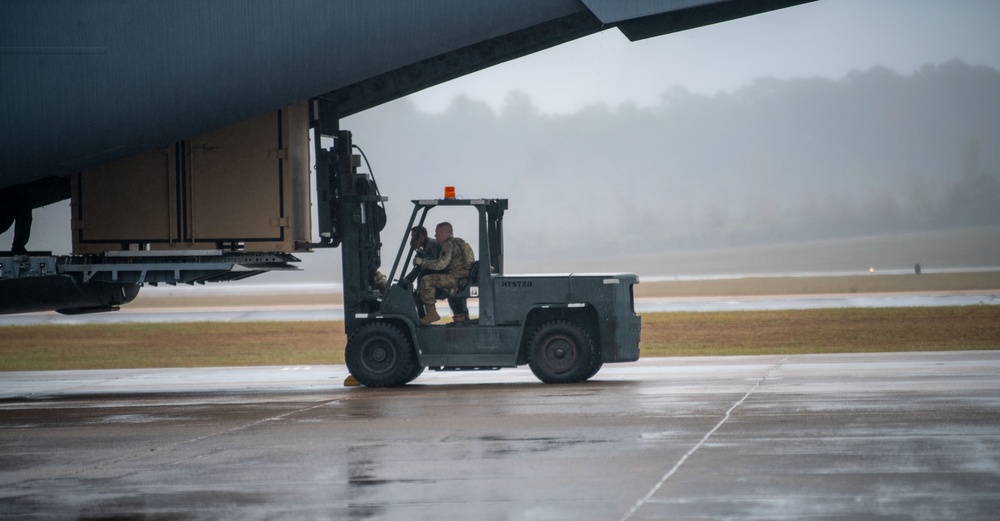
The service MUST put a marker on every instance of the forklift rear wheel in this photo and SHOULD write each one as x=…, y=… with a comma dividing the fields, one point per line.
x=378, y=354
x=561, y=352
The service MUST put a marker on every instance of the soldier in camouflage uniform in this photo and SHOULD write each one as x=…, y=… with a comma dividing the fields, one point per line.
x=425, y=248
x=452, y=264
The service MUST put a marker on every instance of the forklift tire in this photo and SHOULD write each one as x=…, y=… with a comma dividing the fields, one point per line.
x=417, y=370
x=378, y=354
x=598, y=364
x=561, y=352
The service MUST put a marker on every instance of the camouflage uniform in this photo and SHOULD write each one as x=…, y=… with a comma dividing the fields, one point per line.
x=452, y=264
x=431, y=250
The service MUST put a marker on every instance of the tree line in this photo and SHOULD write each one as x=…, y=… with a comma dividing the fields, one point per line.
x=779, y=160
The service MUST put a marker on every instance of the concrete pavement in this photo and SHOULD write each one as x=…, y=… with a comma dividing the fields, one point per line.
x=879, y=436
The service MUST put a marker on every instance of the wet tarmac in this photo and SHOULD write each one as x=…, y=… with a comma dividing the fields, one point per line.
x=876, y=436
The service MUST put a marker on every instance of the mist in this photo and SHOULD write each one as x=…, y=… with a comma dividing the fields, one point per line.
x=779, y=161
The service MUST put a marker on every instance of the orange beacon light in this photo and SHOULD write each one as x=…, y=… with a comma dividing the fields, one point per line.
x=449, y=192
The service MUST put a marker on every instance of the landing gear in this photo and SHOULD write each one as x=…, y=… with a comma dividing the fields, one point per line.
x=562, y=352
x=378, y=354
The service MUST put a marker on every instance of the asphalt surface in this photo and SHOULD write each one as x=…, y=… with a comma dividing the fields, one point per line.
x=880, y=436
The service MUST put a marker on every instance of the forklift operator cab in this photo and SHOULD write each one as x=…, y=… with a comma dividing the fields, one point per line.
x=490, y=229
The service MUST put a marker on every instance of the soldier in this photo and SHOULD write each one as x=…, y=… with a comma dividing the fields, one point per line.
x=452, y=264
x=424, y=248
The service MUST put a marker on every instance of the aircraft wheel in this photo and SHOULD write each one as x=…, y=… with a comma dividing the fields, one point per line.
x=378, y=354
x=561, y=352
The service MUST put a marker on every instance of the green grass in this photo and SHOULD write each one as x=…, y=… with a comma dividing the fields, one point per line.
x=195, y=344
x=848, y=330
x=207, y=344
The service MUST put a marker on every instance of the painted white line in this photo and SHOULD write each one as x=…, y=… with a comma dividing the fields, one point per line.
x=638, y=504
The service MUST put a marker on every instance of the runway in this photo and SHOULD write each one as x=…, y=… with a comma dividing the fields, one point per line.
x=646, y=305
x=859, y=436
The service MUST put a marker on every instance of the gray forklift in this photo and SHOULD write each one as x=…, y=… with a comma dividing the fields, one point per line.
x=564, y=327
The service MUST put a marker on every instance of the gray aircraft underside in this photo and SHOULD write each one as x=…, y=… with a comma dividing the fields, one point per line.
x=86, y=82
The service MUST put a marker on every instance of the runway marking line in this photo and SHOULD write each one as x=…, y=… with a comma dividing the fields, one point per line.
x=139, y=453
x=252, y=425
x=643, y=500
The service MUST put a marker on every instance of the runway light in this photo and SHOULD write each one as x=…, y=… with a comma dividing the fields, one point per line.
x=871, y=270
x=449, y=192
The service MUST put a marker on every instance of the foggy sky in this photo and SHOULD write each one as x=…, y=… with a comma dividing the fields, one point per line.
x=827, y=38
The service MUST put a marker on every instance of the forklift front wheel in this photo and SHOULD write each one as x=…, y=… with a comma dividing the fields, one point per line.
x=561, y=352
x=378, y=354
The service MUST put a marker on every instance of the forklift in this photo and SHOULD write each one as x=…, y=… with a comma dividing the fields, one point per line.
x=564, y=327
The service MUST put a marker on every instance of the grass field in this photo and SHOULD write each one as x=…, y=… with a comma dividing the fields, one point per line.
x=204, y=344
x=192, y=344
x=849, y=330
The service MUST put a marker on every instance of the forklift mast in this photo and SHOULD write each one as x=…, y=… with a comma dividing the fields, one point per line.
x=351, y=212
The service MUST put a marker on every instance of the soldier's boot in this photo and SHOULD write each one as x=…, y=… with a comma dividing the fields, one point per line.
x=430, y=316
